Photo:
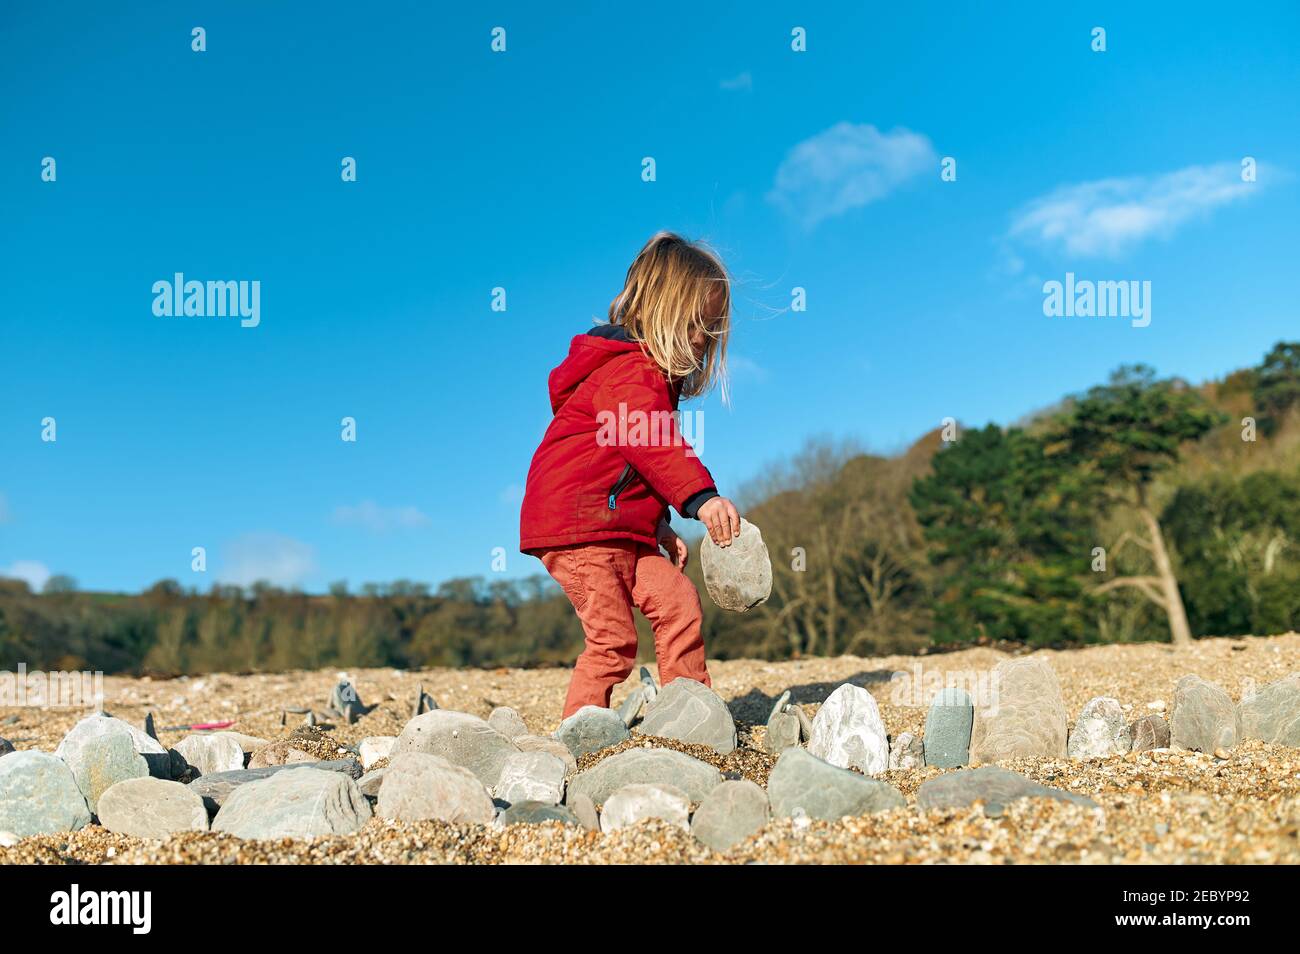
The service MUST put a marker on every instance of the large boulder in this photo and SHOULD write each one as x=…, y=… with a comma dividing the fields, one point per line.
x=1025, y=716
x=990, y=784
x=731, y=813
x=87, y=733
x=299, y=803
x=101, y=752
x=419, y=787
x=1272, y=714
x=210, y=754
x=39, y=795
x=151, y=808
x=1204, y=717
x=847, y=731
x=948, y=726
x=591, y=729
x=690, y=711
x=739, y=576
x=645, y=765
x=1100, y=731
x=633, y=803
x=802, y=784
x=460, y=738
x=531, y=777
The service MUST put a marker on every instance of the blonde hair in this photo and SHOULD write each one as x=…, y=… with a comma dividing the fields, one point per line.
x=665, y=301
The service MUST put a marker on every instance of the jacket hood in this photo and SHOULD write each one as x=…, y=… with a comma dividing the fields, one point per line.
x=587, y=353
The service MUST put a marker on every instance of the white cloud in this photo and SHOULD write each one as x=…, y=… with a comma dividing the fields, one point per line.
x=743, y=82
x=1108, y=216
x=846, y=167
x=33, y=572
x=266, y=556
x=369, y=516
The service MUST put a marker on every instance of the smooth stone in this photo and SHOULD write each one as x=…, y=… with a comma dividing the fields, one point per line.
x=906, y=752
x=301, y=802
x=639, y=801
x=779, y=706
x=689, y=711
x=371, y=782
x=6, y=747
x=783, y=731
x=280, y=752
x=508, y=722
x=460, y=738
x=990, y=784
x=1272, y=714
x=847, y=731
x=802, y=783
x=948, y=726
x=101, y=759
x=548, y=743
x=584, y=809
x=1150, y=732
x=215, y=789
x=531, y=777
x=151, y=808
x=646, y=766
x=739, y=576
x=39, y=795
x=211, y=753
x=1204, y=717
x=1024, y=718
x=1100, y=731
x=420, y=787
x=8, y=839
x=375, y=747
x=534, y=813
x=731, y=813
x=90, y=729
x=631, y=707
x=591, y=729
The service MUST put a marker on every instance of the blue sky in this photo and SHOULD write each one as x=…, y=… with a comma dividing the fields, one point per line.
x=523, y=169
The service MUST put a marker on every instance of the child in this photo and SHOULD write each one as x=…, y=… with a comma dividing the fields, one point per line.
x=612, y=461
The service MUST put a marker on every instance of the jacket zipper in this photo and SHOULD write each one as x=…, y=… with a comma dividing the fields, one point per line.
x=620, y=485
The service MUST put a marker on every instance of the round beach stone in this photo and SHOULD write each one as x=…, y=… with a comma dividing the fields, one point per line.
x=211, y=753
x=739, y=576
x=1272, y=714
x=1150, y=732
x=508, y=722
x=637, y=802
x=39, y=795
x=731, y=813
x=591, y=729
x=690, y=711
x=101, y=758
x=584, y=809
x=948, y=727
x=298, y=802
x=419, y=787
x=802, y=783
x=151, y=808
x=783, y=731
x=1024, y=717
x=548, y=743
x=87, y=733
x=847, y=731
x=1100, y=731
x=648, y=766
x=1204, y=717
x=460, y=738
x=531, y=777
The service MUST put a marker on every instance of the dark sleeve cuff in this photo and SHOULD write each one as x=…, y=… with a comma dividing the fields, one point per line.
x=693, y=503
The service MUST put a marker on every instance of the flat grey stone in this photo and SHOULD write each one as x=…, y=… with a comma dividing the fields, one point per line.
x=783, y=731
x=548, y=743
x=151, y=808
x=948, y=726
x=646, y=765
x=690, y=711
x=906, y=752
x=86, y=732
x=1272, y=714
x=215, y=789
x=1026, y=716
x=739, y=576
x=801, y=783
x=508, y=722
x=419, y=787
x=210, y=754
x=847, y=731
x=460, y=738
x=301, y=802
x=731, y=813
x=1204, y=717
x=639, y=801
x=631, y=708
x=584, y=809
x=39, y=795
x=990, y=784
x=534, y=813
x=100, y=755
x=1150, y=732
x=531, y=777
x=591, y=729
x=1100, y=731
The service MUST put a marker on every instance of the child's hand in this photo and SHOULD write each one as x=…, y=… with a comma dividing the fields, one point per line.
x=678, y=552
x=723, y=521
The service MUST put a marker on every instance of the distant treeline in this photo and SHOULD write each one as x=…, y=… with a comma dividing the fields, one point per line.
x=1143, y=509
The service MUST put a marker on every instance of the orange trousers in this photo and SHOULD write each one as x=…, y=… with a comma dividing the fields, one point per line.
x=603, y=582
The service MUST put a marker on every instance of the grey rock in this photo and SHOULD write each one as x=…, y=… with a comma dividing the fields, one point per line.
x=86, y=733
x=631, y=708
x=637, y=802
x=801, y=783
x=805, y=723
x=783, y=731
x=848, y=731
x=1026, y=716
x=646, y=765
x=150, y=807
x=690, y=711
x=730, y=813
x=419, y=786
x=649, y=687
x=1273, y=713
x=461, y=739
x=100, y=755
x=210, y=754
x=548, y=743
x=531, y=777
x=1100, y=731
x=1204, y=717
x=217, y=788
x=990, y=784
x=534, y=813
x=301, y=802
x=584, y=809
x=906, y=752
x=948, y=728
x=738, y=577
x=591, y=729
x=1150, y=732
x=39, y=795
x=508, y=722
x=423, y=703
x=375, y=747
x=371, y=782
x=6, y=747
x=779, y=706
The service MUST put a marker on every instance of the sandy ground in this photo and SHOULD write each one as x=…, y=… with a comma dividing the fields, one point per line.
x=1157, y=808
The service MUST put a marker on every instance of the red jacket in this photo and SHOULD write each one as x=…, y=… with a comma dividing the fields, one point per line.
x=596, y=477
